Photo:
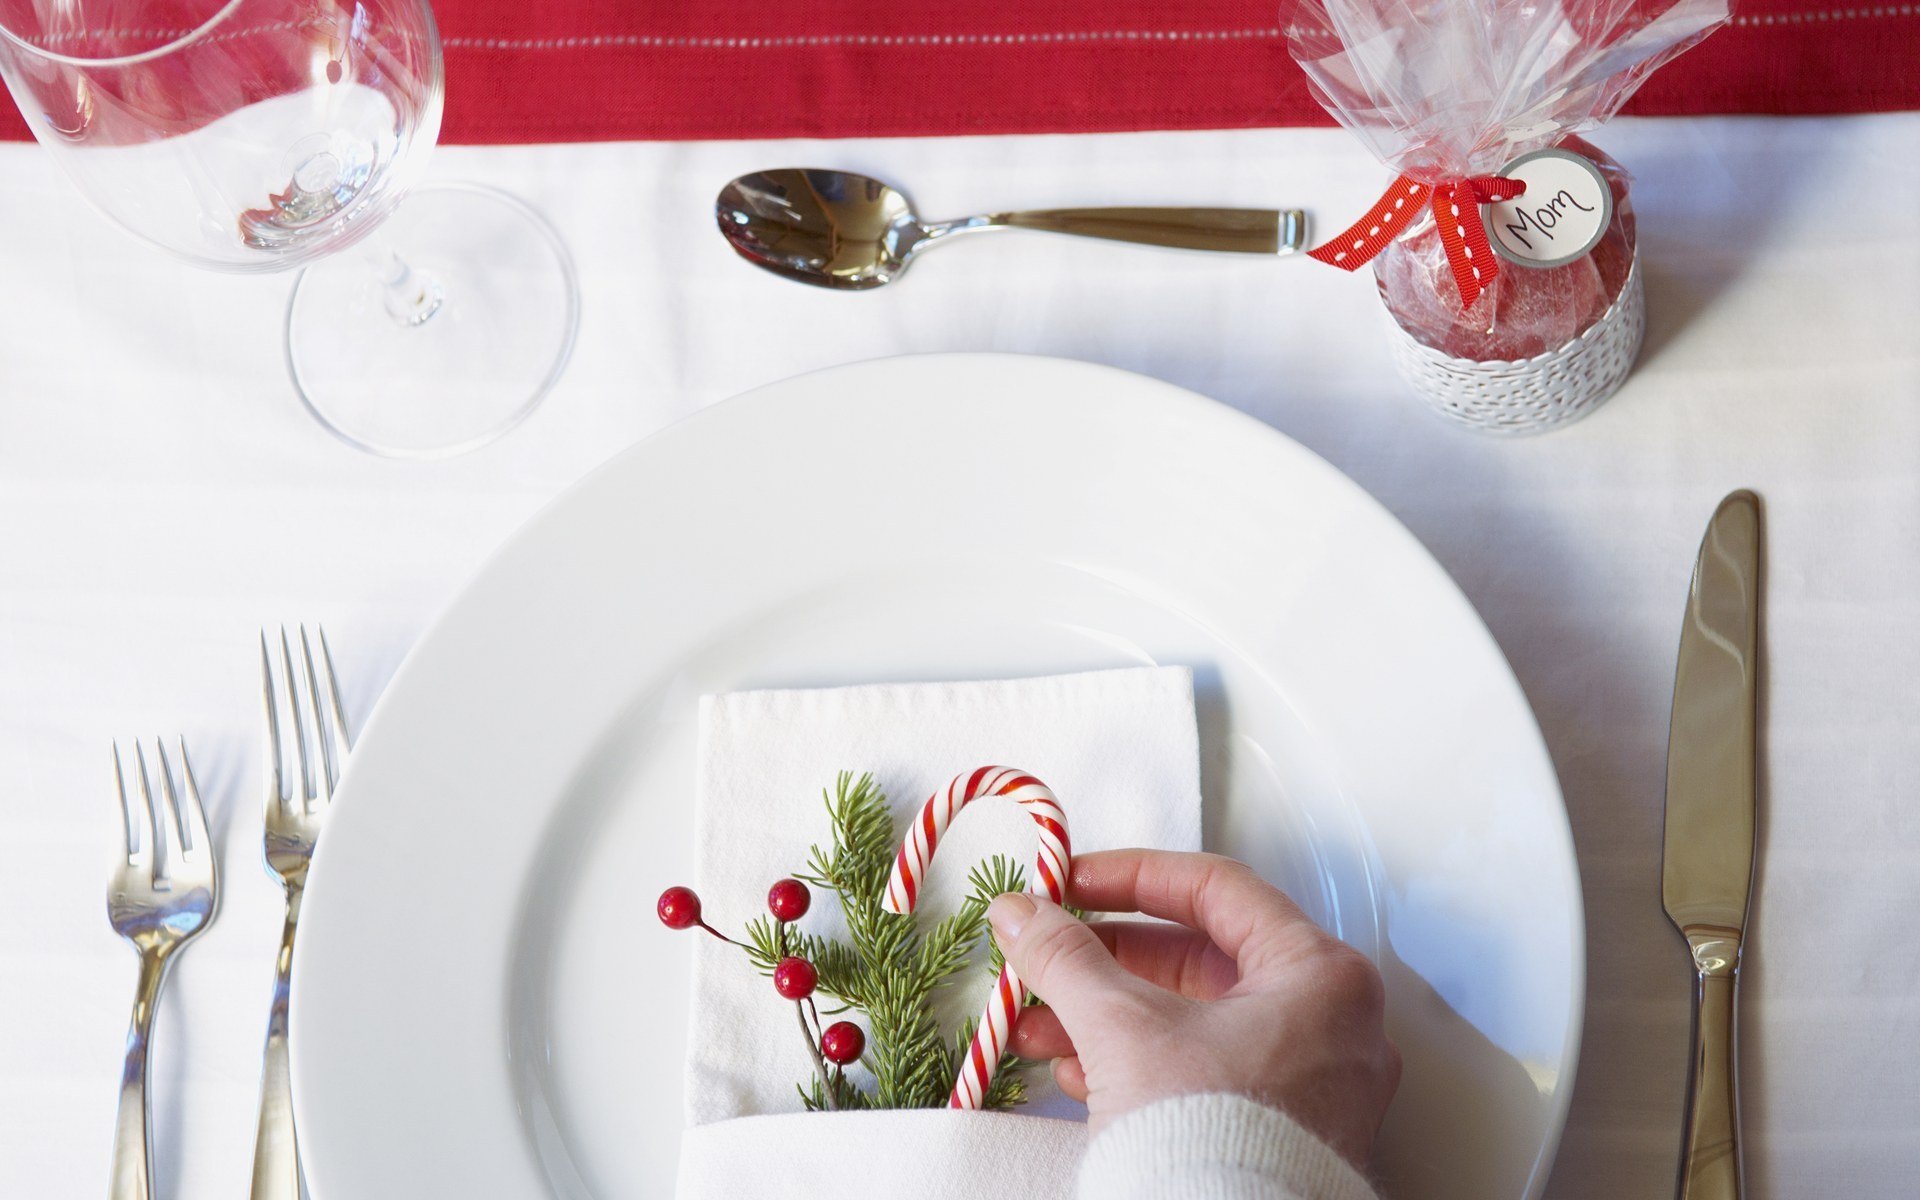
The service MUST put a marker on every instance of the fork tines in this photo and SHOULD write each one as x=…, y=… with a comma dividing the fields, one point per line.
x=167, y=840
x=318, y=718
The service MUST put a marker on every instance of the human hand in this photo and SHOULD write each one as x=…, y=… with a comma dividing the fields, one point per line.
x=1242, y=994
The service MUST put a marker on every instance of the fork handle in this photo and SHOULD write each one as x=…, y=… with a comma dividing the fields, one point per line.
x=276, y=1156
x=131, y=1178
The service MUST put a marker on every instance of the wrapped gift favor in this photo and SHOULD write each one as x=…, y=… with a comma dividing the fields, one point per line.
x=1505, y=249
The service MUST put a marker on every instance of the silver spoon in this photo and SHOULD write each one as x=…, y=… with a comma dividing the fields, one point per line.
x=836, y=229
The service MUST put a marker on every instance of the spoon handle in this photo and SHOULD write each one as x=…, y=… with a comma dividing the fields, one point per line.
x=1241, y=230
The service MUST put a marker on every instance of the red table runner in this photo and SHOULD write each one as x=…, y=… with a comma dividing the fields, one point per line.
x=589, y=70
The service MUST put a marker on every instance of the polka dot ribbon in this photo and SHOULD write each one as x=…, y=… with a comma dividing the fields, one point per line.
x=1456, y=212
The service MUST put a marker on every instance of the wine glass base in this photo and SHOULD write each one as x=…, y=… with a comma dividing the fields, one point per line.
x=454, y=355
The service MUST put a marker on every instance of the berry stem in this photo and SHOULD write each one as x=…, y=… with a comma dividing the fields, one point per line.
x=819, y=1063
x=723, y=937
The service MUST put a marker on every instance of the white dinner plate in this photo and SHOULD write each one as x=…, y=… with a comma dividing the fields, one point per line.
x=484, y=1005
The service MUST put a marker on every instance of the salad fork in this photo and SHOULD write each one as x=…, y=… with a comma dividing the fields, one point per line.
x=162, y=895
x=296, y=808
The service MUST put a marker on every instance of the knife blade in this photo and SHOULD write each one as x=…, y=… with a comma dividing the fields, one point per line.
x=1707, y=864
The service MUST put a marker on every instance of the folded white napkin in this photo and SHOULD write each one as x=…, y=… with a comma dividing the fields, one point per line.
x=1119, y=749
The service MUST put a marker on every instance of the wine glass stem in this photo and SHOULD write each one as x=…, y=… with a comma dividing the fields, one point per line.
x=411, y=295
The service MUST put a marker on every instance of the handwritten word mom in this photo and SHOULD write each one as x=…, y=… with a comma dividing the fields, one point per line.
x=1542, y=220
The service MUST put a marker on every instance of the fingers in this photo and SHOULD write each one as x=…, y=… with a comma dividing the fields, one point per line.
x=1248, y=918
x=1170, y=956
x=1072, y=1078
x=1173, y=957
x=1041, y=1035
x=1059, y=958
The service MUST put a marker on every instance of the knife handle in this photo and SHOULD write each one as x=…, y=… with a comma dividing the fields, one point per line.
x=1710, y=1165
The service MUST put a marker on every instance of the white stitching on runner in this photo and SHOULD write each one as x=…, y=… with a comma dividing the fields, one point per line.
x=736, y=43
x=1013, y=39
x=48, y=41
x=871, y=39
x=631, y=40
x=1831, y=14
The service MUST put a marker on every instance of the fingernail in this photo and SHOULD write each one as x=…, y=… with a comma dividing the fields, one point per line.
x=1008, y=912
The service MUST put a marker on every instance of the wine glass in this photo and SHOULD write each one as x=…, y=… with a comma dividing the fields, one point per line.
x=266, y=135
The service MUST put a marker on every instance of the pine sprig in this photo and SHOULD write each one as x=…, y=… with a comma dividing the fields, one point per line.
x=998, y=874
x=888, y=968
x=846, y=1097
x=835, y=961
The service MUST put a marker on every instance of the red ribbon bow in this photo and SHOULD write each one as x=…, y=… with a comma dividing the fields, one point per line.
x=1456, y=211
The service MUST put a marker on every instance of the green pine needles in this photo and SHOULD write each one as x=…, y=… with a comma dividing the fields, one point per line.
x=890, y=969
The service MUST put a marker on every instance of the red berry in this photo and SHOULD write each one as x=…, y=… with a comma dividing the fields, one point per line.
x=795, y=978
x=679, y=908
x=789, y=900
x=842, y=1043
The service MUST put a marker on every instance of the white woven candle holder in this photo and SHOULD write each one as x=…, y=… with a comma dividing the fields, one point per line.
x=1531, y=395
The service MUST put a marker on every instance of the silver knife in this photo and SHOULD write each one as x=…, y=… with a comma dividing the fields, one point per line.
x=1707, y=867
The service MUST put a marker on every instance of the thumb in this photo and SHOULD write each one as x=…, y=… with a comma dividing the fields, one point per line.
x=1058, y=957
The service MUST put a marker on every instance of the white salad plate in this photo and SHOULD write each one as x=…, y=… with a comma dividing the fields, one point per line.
x=484, y=1004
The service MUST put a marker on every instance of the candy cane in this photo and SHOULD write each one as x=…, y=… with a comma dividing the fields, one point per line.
x=1049, y=880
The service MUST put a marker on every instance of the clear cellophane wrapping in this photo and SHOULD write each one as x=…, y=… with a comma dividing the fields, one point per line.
x=1444, y=90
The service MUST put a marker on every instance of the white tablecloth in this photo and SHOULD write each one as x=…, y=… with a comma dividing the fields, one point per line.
x=162, y=496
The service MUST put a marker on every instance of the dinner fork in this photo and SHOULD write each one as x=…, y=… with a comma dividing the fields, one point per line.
x=296, y=807
x=162, y=895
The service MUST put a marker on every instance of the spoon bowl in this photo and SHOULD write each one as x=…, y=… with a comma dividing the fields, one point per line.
x=830, y=228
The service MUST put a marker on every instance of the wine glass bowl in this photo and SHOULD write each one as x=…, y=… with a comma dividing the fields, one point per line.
x=242, y=135
x=263, y=135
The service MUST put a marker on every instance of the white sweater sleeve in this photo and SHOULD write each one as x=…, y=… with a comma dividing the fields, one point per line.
x=1214, y=1147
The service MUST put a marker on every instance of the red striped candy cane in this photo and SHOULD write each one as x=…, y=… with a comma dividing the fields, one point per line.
x=1049, y=880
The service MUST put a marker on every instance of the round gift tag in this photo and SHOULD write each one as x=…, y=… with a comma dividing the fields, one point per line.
x=1562, y=215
